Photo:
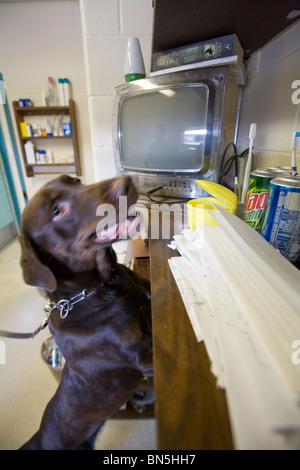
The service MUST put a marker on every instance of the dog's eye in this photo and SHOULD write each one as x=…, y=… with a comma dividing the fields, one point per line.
x=56, y=210
x=60, y=209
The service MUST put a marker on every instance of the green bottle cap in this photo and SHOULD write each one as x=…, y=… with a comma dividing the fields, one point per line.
x=130, y=77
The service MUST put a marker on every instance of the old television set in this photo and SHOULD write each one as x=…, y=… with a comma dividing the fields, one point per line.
x=167, y=130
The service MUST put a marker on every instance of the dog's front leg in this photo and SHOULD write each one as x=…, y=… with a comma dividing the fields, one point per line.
x=63, y=425
x=32, y=444
x=50, y=436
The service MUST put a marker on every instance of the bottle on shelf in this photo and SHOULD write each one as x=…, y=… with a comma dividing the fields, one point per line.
x=48, y=126
x=30, y=151
x=51, y=92
x=67, y=91
x=43, y=156
x=50, y=156
x=44, y=98
x=61, y=92
x=66, y=125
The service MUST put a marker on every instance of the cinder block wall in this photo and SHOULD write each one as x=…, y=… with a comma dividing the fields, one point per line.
x=106, y=27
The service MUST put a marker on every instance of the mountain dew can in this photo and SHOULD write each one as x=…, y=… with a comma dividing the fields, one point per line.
x=257, y=195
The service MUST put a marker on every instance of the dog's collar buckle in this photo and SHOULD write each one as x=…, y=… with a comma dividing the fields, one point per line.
x=64, y=306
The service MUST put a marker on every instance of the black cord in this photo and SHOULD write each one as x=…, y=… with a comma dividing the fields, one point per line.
x=153, y=190
x=225, y=168
x=224, y=154
x=165, y=198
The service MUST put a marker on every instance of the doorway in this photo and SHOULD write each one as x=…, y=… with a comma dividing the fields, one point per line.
x=12, y=187
x=8, y=223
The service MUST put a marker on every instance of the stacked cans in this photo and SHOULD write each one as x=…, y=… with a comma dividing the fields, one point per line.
x=273, y=209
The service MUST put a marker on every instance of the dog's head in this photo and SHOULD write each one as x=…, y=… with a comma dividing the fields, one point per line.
x=74, y=225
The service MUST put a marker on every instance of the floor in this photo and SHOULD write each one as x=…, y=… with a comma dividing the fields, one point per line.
x=26, y=381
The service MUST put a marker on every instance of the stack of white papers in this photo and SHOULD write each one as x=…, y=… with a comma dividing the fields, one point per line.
x=243, y=300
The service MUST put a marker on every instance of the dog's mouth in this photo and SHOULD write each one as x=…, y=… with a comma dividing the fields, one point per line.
x=121, y=230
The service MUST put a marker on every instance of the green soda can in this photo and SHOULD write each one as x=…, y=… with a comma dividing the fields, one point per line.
x=257, y=195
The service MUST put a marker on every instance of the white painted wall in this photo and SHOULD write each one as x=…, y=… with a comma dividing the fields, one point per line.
x=84, y=41
x=268, y=100
x=41, y=39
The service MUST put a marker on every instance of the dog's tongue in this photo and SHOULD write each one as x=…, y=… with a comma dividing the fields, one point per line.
x=109, y=233
x=128, y=228
x=121, y=230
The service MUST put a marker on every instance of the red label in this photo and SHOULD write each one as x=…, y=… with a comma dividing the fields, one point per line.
x=256, y=201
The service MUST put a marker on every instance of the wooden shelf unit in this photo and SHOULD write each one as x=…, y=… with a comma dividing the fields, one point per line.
x=49, y=168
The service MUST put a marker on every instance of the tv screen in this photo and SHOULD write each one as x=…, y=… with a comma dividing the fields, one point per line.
x=165, y=130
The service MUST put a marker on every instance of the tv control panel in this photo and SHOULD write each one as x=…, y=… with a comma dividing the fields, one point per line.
x=168, y=187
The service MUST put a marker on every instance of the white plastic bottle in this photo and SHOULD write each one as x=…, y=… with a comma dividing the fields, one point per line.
x=43, y=156
x=50, y=156
x=51, y=92
x=67, y=90
x=61, y=92
x=30, y=152
x=44, y=98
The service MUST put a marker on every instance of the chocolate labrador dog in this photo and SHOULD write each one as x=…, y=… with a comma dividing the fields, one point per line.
x=99, y=311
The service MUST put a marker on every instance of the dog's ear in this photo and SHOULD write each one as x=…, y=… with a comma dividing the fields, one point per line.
x=35, y=273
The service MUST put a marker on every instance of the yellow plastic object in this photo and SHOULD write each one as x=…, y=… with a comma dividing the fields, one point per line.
x=197, y=208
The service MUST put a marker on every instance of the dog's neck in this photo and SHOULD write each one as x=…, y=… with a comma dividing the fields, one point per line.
x=72, y=280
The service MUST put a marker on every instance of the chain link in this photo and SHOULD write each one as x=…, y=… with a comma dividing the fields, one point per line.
x=64, y=306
